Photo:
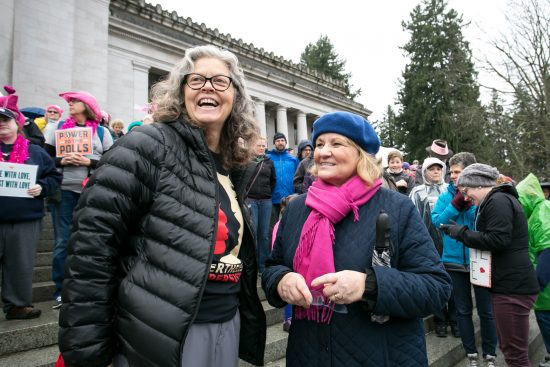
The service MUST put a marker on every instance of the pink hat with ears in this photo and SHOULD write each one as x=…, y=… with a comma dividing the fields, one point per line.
x=85, y=98
x=8, y=106
x=55, y=107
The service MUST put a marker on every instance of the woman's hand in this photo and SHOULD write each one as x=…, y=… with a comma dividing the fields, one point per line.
x=75, y=159
x=80, y=160
x=343, y=287
x=34, y=190
x=293, y=290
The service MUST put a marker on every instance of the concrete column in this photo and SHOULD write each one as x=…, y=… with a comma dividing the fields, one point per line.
x=260, y=117
x=282, y=123
x=301, y=123
x=141, y=88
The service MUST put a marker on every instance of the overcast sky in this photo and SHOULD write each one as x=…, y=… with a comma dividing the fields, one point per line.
x=367, y=34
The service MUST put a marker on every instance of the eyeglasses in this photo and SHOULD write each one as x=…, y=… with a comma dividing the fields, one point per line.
x=464, y=191
x=53, y=111
x=197, y=81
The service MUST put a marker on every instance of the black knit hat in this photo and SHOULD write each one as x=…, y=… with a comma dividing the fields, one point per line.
x=279, y=136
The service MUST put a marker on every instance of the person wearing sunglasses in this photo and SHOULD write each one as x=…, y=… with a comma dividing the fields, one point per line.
x=51, y=121
x=162, y=265
x=501, y=228
x=322, y=260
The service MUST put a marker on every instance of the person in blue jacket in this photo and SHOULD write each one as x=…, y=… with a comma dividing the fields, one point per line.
x=21, y=217
x=351, y=308
x=451, y=206
x=285, y=166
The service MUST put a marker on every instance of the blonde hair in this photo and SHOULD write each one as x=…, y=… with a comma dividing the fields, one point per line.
x=368, y=166
x=117, y=122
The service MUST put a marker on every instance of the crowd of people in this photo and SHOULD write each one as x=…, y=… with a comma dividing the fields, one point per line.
x=162, y=231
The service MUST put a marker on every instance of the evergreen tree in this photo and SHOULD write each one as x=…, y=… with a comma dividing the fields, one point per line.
x=322, y=57
x=439, y=96
x=388, y=130
x=502, y=135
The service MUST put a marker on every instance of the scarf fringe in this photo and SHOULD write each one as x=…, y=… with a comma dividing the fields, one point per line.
x=319, y=314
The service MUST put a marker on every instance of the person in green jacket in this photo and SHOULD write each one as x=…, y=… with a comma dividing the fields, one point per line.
x=537, y=211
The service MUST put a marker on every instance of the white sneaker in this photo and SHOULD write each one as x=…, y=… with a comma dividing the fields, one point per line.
x=490, y=361
x=57, y=303
x=472, y=360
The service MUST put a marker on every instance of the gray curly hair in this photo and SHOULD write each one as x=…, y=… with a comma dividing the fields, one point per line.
x=167, y=96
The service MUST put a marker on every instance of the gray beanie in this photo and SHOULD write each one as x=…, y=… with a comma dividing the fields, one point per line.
x=478, y=175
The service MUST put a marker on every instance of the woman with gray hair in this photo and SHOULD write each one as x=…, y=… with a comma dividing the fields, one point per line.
x=501, y=228
x=162, y=267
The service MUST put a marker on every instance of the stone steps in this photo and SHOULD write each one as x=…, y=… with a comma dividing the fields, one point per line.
x=40, y=357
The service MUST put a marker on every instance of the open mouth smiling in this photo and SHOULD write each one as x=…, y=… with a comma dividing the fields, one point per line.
x=207, y=102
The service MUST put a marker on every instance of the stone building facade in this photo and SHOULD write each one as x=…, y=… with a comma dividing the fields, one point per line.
x=117, y=49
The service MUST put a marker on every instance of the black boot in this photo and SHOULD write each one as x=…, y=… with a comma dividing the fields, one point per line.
x=441, y=330
x=455, y=331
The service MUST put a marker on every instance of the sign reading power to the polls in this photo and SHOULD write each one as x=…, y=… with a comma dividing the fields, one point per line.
x=75, y=140
x=16, y=179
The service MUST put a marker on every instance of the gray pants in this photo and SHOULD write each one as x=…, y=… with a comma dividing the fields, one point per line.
x=18, y=243
x=207, y=345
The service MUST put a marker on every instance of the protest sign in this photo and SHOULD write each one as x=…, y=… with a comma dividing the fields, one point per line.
x=16, y=179
x=75, y=140
x=480, y=267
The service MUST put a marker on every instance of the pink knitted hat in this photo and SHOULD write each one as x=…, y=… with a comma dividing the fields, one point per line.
x=85, y=98
x=8, y=106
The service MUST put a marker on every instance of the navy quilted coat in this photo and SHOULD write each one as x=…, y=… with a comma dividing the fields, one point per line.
x=140, y=252
x=415, y=286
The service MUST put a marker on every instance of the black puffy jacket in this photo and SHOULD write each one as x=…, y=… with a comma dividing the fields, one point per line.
x=140, y=252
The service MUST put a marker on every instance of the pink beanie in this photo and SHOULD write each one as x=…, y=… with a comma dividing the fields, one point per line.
x=85, y=98
x=55, y=107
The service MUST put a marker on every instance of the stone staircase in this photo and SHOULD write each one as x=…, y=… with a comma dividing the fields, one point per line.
x=33, y=343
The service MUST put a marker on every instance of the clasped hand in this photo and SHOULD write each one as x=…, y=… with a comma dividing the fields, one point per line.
x=343, y=287
x=75, y=159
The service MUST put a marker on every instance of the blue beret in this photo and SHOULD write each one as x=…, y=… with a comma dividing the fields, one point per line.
x=352, y=126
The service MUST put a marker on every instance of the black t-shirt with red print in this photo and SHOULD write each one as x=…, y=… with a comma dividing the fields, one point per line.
x=220, y=299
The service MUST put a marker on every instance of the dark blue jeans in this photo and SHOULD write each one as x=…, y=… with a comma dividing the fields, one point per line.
x=62, y=217
x=543, y=319
x=463, y=302
x=260, y=210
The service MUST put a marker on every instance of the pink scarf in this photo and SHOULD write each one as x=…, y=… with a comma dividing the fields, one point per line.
x=19, y=152
x=314, y=256
x=71, y=123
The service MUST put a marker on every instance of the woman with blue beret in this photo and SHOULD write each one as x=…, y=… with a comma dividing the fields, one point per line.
x=352, y=307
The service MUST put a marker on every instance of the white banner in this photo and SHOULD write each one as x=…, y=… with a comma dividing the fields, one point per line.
x=480, y=267
x=16, y=179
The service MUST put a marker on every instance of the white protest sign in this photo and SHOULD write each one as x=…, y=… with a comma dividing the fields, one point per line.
x=16, y=179
x=480, y=268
